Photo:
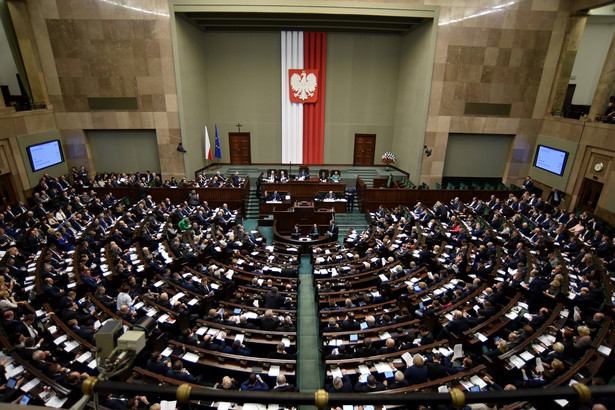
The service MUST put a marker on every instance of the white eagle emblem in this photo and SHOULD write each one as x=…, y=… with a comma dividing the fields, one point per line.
x=303, y=85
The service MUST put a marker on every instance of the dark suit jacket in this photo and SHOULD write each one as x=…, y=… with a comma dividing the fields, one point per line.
x=347, y=325
x=156, y=367
x=435, y=370
x=273, y=300
x=268, y=324
x=333, y=231
x=86, y=334
x=186, y=377
x=458, y=326
x=416, y=375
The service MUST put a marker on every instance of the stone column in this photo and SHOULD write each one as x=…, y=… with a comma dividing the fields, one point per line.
x=29, y=50
x=605, y=83
x=576, y=26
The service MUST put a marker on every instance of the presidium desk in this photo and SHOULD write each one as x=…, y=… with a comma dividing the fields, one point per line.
x=310, y=190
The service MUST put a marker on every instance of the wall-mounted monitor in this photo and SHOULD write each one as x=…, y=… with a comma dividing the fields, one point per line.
x=45, y=155
x=551, y=159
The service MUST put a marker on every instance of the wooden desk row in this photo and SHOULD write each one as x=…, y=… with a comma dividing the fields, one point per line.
x=234, y=197
x=304, y=190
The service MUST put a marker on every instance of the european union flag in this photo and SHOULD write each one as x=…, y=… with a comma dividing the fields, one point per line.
x=218, y=153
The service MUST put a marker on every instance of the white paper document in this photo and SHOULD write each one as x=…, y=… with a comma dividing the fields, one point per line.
x=84, y=357
x=191, y=357
x=30, y=385
x=458, y=350
x=274, y=370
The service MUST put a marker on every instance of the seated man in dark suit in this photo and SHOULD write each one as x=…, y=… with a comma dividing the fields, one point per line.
x=457, y=326
x=451, y=368
x=282, y=386
x=280, y=353
x=349, y=323
x=275, y=196
x=371, y=385
x=273, y=299
x=237, y=348
x=86, y=332
x=426, y=336
x=340, y=384
x=435, y=368
x=236, y=180
x=52, y=291
x=74, y=312
x=179, y=373
x=332, y=326
x=268, y=321
x=366, y=349
x=155, y=364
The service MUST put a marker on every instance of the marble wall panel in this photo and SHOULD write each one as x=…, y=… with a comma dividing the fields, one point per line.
x=113, y=49
x=124, y=49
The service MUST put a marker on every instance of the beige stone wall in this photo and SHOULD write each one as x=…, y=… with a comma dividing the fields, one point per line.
x=594, y=143
x=108, y=49
x=486, y=52
x=505, y=56
x=17, y=124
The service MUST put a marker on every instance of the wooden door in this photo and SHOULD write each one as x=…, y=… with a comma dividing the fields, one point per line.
x=364, y=149
x=590, y=193
x=239, y=145
x=7, y=192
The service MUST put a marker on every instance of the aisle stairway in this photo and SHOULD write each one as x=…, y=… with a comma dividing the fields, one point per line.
x=345, y=222
x=309, y=364
x=310, y=370
x=251, y=204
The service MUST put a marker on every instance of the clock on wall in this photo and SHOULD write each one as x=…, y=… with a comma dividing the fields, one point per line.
x=598, y=166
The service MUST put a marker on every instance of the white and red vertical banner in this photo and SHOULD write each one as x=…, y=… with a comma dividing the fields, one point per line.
x=303, y=96
x=292, y=113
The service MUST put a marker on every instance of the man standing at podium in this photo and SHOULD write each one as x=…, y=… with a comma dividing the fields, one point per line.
x=333, y=230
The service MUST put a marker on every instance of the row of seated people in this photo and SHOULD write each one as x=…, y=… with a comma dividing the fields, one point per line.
x=520, y=265
x=238, y=319
x=152, y=180
x=281, y=175
x=93, y=275
x=455, y=258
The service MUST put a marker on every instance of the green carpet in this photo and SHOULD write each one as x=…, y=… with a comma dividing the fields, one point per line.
x=310, y=369
x=250, y=225
x=309, y=365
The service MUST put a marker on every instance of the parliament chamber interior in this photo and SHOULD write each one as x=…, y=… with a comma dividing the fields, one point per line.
x=331, y=204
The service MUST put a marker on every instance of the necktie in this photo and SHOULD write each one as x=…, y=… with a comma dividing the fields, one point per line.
x=33, y=332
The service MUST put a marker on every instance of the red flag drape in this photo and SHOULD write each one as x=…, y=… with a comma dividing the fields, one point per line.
x=314, y=57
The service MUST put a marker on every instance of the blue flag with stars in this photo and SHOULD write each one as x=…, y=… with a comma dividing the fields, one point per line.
x=218, y=153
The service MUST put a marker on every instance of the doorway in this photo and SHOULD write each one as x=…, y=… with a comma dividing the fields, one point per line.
x=590, y=194
x=239, y=145
x=364, y=149
x=7, y=192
